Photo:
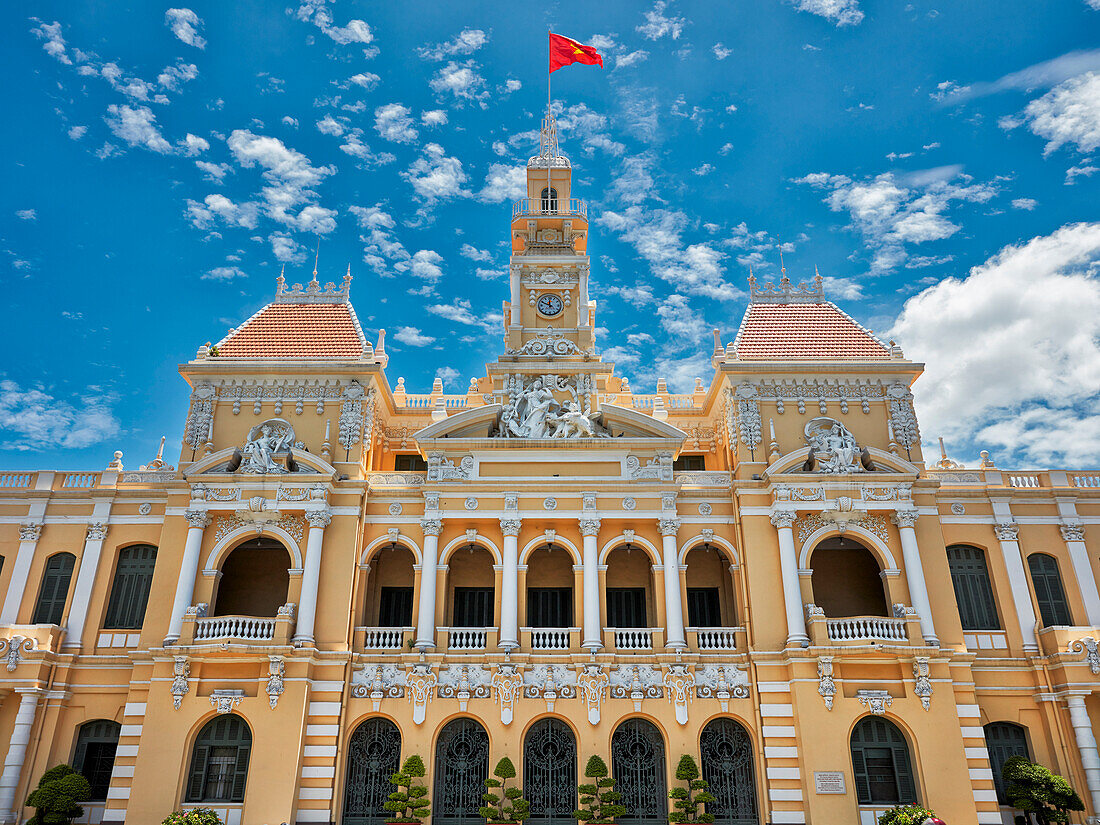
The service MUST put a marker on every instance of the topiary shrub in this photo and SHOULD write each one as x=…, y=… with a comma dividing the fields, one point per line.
x=509, y=807
x=905, y=815
x=409, y=803
x=56, y=800
x=1038, y=792
x=600, y=802
x=687, y=799
x=193, y=816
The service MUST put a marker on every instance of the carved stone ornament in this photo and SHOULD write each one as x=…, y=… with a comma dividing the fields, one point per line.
x=1007, y=531
x=834, y=449
x=668, y=526
x=905, y=518
x=267, y=448
x=592, y=683
x=748, y=416
x=507, y=684
x=1088, y=646
x=378, y=682
x=629, y=503
x=589, y=526
x=679, y=683
x=318, y=518
x=705, y=509
x=200, y=420
x=145, y=508
x=533, y=412
x=351, y=424
x=588, y=502
x=470, y=503
x=549, y=503
x=464, y=682
x=903, y=420
x=551, y=342
x=549, y=682
x=923, y=684
x=181, y=669
x=225, y=701
x=395, y=509
x=276, y=670
x=658, y=468
x=826, y=684
x=431, y=526
x=958, y=509
x=97, y=531
x=1073, y=532
x=9, y=649
x=783, y=518
x=29, y=531
x=441, y=468
x=722, y=682
x=876, y=701
x=420, y=686
x=636, y=682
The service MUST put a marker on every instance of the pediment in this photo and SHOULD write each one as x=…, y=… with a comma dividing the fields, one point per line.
x=307, y=464
x=791, y=464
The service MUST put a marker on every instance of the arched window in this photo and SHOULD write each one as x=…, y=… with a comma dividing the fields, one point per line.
x=130, y=591
x=54, y=590
x=95, y=754
x=219, y=761
x=255, y=579
x=638, y=765
x=881, y=765
x=725, y=751
x=847, y=580
x=973, y=591
x=461, y=766
x=1004, y=740
x=550, y=772
x=373, y=755
x=549, y=200
x=1048, y=590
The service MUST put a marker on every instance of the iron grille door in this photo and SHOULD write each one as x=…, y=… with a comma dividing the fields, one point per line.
x=373, y=756
x=626, y=607
x=726, y=753
x=461, y=766
x=550, y=772
x=550, y=606
x=638, y=766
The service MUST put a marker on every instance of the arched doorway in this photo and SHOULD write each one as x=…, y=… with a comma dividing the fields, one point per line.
x=550, y=772
x=710, y=595
x=550, y=591
x=846, y=579
x=638, y=765
x=374, y=755
x=461, y=766
x=389, y=596
x=255, y=579
x=725, y=751
x=629, y=591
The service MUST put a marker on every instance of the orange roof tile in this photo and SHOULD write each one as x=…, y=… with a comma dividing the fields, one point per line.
x=290, y=330
x=804, y=330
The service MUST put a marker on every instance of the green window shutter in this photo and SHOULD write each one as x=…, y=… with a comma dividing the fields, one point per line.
x=1047, y=582
x=130, y=591
x=1004, y=740
x=196, y=779
x=973, y=590
x=875, y=732
x=859, y=771
x=50, y=606
x=240, y=773
x=903, y=772
x=229, y=731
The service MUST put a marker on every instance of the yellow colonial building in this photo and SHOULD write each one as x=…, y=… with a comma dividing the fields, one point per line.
x=765, y=573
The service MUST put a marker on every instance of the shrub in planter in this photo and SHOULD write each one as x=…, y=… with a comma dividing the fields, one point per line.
x=600, y=802
x=409, y=803
x=508, y=807
x=687, y=799
x=905, y=815
x=1038, y=792
x=57, y=798
x=193, y=816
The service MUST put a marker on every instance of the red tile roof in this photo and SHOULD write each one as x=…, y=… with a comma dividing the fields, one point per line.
x=288, y=330
x=804, y=330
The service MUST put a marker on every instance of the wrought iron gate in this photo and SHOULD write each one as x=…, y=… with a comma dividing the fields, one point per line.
x=638, y=766
x=461, y=766
x=374, y=753
x=726, y=753
x=550, y=772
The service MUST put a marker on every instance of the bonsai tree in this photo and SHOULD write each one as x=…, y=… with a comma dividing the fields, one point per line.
x=905, y=815
x=1039, y=793
x=600, y=802
x=409, y=803
x=687, y=799
x=57, y=797
x=193, y=816
x=508, y=807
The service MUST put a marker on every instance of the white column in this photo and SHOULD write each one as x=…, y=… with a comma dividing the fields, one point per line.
x=674, y=609
x=590, y=576
x=509, y=585
x=1007, y=533
x=1086, y=746
x=914, y=573
x=311, y=575
x=17, y=751
x=1074, y=537
x=189, y=570
x=425, y=622
x=29, y=533
x=788, y=566
x=85, y=579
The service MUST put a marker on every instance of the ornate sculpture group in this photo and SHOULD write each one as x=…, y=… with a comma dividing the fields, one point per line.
x=534, y=412
x=833, y=449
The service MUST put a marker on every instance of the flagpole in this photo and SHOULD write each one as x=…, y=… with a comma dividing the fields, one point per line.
x=549, y=156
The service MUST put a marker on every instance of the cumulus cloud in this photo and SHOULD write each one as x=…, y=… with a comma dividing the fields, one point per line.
x=839, y=12
x=223, y=273
x=1013, y=351
x=1068, y=113
x=318, y=13
x=462, y=80
x=465, y=42
x=474, y=254
x=424, y=264
x=1026, y=204
x=413, y=337
x=435, y=117
x=185, y=25
x=394, y=123
x=137, y=126
x=657, y=24
x=31, y=215
x=460, y=311
x=34, y=419
x=721, y=52
x=435, y=176
x=172, y=77
x=377, y=226
x=214, y=172
x=52, y=40
x=77, y=132
x=504, y=182
x=365, y=80
x=328, y=125
x=686, y=327
x=194, y=145
x=215, y=207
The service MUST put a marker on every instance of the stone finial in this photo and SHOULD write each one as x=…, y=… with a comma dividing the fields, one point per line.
x=116, y=464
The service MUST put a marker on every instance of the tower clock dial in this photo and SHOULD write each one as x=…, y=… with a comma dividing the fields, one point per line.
x=549, y=305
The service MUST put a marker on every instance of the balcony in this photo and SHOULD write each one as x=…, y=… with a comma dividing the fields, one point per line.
x=198, y=628
x=861, y=630
x=383, y=638
x=548, y=638
x=470, y=638
x=634, y=639
x=714, y=638
x=537, y=207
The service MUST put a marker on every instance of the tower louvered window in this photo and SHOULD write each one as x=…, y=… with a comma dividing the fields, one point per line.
x=95, y=754
x=54, y=590
x=1048, y=590
x=973, y=591
x=130, y=591
x=1004, y=740
x=219, y=762
x=881, y=765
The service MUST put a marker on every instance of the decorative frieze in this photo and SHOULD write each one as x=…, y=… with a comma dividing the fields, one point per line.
x=1088, y=646
x=464, y=682
x=441, y=468
x=550, y=683
x=658, y=468
x=722, y=682
x=378, y=682
x=637, y=683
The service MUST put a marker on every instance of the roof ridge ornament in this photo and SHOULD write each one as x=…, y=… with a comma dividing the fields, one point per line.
x=312, y=293
x=785, y=293
x=549, y=153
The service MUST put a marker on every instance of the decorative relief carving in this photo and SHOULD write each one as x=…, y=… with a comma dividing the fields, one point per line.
x=658, y=468
x=550, y=342
x=784, y=518
x=378, y=682
x=705, y=509
x=826, y=684
x=902, y=418
x=10, y=650
x=225, y=701
x=379, y=480
x=431, y=526
x=223, y=525
x=532, y=410
x=420, y=686
x=200, y=419
x=876, y=701
x=351, y=414
x=145, y=508
x=180, y=671
x=1007, y=531
x=470, y=503
x=549, y=503
x=441, y=468
x=749, y=426
x=507, y=684
x=511, y=526
x=905, y=518
x=463, y=682
x=589, y=526
x=276, y=670
x=1088, y=646
x=317, y=518
x=97, y=531
x=549, y=682
x=679, y=682
x=668, y=526
x=637, y=683
x=1073, y=532
x=629, y=503
x=395, y=509
x=833, y=449
x=29, y=531
x=267, y=449
x=958, y=509
x=592, y=683
x=722, y=682
x=922, y=683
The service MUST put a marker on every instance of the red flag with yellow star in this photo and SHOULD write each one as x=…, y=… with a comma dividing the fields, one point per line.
x=564, y=51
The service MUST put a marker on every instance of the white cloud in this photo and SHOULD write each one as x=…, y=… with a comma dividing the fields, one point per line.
x=504, y=182
x=512, y=85
x=377, y=226
x=413, y=337
x=1013, y=351
x=1026, y=204
x=317, y=13
x=394, y=123
x=474, y=254
x=658, y=25
x=77, y=132
x=185, y=25
x=625, y=61
x=461, y=80
x=54, y=42
x=224, y=273
x=684, y=326
x=446, y=374
x=840, y=12
x=353, y=145
x=33, y=419
x=721, y=52
x=172, y=77
x=465, y=42
x=1081, y=170
x=1068, y=113
x=489, y=274
x=435, y=176
x=290, y=121
x=132, y=87
x=460, y=312
x=214, y=172
x=328, y=125
x=365, y=80
x=436, y=117
x=286, y=249
x=194, y=145
x=203, y=215
x=1040, y=76
x=137, y=126
x=424, y=264
x=31, y=215
x=703, y=170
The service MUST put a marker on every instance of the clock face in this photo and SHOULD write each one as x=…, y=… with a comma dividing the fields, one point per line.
x=549, y=305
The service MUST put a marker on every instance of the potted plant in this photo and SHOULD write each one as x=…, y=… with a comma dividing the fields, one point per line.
x=409, y=803
x=193, y=816
x=687, y=799
x=508, y=807
x=600, y=802
x=1039, y=793
x=905, y=815
x=56, y=800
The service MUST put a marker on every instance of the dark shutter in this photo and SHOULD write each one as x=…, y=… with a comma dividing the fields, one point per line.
x=1004, y=740
x=881, y=764
x=626, y=607
x=973, y=591
x=196, y=779
x=690, y=462
x=703, y=607
x=54, y=590
x=240, y=773
x=395, y=605
x=130, y=591
x=473, y=607
x=221, y=779
x=859, y=772
x=95, y=754
x=1048, y=590
x=550, y=606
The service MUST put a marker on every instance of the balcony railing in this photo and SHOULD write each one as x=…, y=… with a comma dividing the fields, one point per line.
x=252, y=628
x=550, y=638
x=558, y=207
x=858, y=628
x=467, y=638
x=384, y=638
x=716, y=638
x=1085, y=479
x=633, y=638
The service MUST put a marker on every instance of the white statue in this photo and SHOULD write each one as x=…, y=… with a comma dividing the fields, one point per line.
x=570, y=422
x=833, y=449
x=266, y=441
x=534, y=413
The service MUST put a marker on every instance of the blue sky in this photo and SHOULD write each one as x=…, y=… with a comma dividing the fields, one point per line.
x=936, y=161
